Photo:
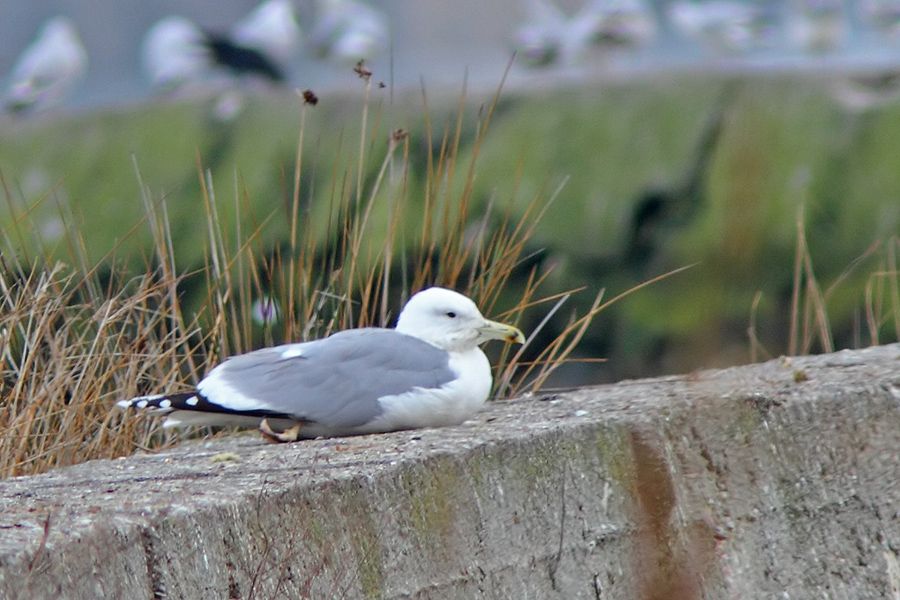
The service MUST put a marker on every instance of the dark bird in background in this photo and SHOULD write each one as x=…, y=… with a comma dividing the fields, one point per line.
x=181, y=57
x=661, y=211
x=241, y=60
x=179, y=54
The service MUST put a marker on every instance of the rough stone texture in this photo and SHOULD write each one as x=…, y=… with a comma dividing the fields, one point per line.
x=779, y=480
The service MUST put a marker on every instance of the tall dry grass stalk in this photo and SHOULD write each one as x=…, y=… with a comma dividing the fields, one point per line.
x=75, y=337
x=810, y=325
x=68, y=347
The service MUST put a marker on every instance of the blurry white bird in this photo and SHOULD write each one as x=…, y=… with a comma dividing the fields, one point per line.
x=816, y=25
x=865, y=91
x=614, y=23
x=174, y=53
x=549, y=36
x=49, y=68
x=724, y=25
x=881, y=15
x=347, y=31
x=270, y=28
x=542, y=39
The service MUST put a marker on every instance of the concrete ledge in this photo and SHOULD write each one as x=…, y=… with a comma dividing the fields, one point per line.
x=779, y=480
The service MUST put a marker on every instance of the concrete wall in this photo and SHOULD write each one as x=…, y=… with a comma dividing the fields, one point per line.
x=779, y=480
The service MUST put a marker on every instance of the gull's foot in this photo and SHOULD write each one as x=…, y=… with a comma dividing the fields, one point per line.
x=291, y=434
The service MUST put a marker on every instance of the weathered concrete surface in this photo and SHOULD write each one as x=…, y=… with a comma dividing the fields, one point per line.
x=779, y=480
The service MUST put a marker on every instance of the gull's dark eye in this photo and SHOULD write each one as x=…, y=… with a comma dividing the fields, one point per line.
x=451, y=314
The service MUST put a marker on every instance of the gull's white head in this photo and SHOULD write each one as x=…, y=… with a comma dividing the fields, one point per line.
x=450, y=321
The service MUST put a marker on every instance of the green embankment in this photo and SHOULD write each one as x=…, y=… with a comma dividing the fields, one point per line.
x=660, y=174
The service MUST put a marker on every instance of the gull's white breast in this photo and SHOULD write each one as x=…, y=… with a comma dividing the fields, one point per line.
x=450, y=404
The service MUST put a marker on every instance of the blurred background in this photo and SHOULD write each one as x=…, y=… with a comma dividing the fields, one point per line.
x=439, y=42
x=754, y=140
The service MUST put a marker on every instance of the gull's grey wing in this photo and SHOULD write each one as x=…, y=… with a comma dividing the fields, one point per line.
x=335, y=381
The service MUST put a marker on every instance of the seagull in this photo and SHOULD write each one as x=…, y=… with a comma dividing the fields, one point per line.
x=261, y=44
x=239, y=60
x=174, y=53
x=549, y=36
x=614, y=23
x=427, y=372
x=49, y=68
x=542, y=39
x=272, y=29
x=348, y=31
x=177, y=52
x=864, y=91
x=817, y=25
x=881, y=15
x=726, y=25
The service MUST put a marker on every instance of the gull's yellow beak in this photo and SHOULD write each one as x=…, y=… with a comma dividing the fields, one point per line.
x=492, y=330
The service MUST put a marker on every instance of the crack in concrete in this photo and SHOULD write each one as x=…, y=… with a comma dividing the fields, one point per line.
x=554, y=564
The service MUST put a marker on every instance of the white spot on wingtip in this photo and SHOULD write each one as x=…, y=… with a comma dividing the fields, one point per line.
x=192, y=401
x=292, y=352
x=165, y=403
x=139, y=401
